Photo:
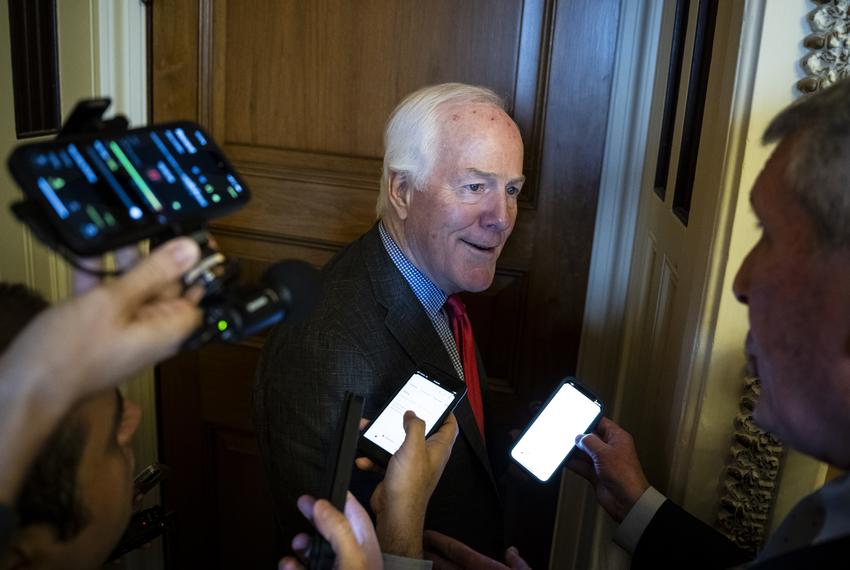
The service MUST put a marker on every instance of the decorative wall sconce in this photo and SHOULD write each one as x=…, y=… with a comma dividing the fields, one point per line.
x=829, y=58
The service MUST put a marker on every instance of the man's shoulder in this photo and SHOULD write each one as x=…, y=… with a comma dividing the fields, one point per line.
x=828, y=554
x=348, y=311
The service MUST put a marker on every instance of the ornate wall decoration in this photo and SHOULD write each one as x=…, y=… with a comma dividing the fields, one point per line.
x=748, y=486
x=829, y=58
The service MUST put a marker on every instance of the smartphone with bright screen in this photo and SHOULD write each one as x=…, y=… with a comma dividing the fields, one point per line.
x=102, y=191
x=549, y=439
x=430, y=396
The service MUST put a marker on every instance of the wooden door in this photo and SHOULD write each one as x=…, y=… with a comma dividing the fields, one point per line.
x=297, y=94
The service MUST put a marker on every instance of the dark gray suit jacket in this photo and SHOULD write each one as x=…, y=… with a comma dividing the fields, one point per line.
x=677, y=539
x=368, y=335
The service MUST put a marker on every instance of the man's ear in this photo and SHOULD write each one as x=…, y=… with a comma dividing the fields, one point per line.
x=400, y=191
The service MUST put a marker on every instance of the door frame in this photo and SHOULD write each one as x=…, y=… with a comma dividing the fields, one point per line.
x=610, y=320
x=638, y=40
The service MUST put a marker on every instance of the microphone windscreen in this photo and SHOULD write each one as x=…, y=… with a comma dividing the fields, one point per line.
x=297, y=284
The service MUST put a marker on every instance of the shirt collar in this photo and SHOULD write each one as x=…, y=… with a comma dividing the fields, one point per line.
x=431, y=296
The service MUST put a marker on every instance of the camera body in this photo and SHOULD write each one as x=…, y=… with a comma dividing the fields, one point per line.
x=99, y=186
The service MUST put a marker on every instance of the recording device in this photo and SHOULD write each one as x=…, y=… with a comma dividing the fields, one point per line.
x=287, y=290
x=430, y=394
x=549, y=439
x=100, y=191
x=99, y=186
x=148, y=524
x=144, y=527
x=150, y=477
x=338, y=467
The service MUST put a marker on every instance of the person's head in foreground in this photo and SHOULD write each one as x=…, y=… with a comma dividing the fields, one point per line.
x=77, y=497
x=796, y=279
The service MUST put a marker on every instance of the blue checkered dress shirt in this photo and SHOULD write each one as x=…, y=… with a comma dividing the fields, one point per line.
x=432, y=297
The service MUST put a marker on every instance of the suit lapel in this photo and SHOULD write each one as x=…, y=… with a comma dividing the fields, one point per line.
x=408, y=322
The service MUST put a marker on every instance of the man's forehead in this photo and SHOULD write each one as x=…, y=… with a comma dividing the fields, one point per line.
x=455, y=114
x=772, y=180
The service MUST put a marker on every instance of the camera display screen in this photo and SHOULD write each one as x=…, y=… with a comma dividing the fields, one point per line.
x=105, y=186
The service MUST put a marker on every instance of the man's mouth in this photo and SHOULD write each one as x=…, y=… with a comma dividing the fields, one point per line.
x=480, y=246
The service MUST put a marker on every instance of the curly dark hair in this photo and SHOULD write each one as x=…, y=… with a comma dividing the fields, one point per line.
x=49, y=494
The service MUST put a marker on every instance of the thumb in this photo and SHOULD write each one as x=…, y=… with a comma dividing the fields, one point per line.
x=152, y=274
x=514, y=561
x=590, y=444
x=336, y=529
x=414, y=429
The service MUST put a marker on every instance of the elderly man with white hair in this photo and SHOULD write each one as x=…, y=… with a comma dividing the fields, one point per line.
x=447, y=205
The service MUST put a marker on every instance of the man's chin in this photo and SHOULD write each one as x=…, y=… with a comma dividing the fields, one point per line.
x=764, y=420
x=478, y=284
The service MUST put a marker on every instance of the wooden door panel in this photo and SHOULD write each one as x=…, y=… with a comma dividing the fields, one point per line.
x=310, y=85
x=339, y=44
x=243, y=510
x=297, y=94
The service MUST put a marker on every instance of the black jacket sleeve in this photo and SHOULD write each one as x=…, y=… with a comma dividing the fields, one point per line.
x=676, y=539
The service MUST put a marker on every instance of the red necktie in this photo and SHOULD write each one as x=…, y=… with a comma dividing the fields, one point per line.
x=462, y=332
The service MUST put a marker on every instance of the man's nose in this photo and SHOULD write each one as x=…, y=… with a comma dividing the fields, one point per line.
x=499, y=213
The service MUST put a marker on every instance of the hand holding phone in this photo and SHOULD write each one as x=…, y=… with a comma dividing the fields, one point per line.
x=339, y=464
x=550, y=437
x=429, y=393
x=401, y=499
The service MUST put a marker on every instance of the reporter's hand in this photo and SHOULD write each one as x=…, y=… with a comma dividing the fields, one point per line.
x=352, y=535
x=608, y=460
x=400, y=500
x=449, y=554
x=86, y=344
x=96, y=340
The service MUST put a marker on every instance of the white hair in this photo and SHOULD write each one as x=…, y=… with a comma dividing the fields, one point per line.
x=411, y=132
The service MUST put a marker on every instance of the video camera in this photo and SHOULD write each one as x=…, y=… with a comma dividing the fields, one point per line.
x=99, y=186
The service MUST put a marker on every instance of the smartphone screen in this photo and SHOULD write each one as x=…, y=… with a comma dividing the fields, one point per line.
x=428, y=399
x=99, y=189
x=551, y=436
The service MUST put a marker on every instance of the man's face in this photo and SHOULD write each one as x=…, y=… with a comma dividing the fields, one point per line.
x=104, y=482
x=798, y=293
x=455, y=227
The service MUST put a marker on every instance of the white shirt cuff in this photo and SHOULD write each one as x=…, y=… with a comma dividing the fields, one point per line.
x=631, y=529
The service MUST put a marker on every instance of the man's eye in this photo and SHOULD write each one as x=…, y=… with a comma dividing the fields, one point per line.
x=513, y=190
x=477, y=187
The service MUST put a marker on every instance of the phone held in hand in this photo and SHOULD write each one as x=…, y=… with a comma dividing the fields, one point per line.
x=101, y=191
x=549, y=439
x=431, y=394
x=338, y=466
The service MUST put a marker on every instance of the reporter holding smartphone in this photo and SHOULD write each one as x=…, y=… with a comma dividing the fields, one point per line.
x=71, y=356
x=399, y=503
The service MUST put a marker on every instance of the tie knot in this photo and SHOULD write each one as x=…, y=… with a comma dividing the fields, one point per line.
x=454, y=306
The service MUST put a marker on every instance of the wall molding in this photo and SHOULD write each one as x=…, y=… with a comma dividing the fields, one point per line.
x=120, y=63
x=749, y=482
x=733, y=113
x=829, y=43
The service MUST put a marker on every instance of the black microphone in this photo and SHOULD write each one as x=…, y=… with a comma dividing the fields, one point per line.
x=288, y=290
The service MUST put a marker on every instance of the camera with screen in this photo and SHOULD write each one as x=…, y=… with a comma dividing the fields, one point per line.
x=99, y=186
